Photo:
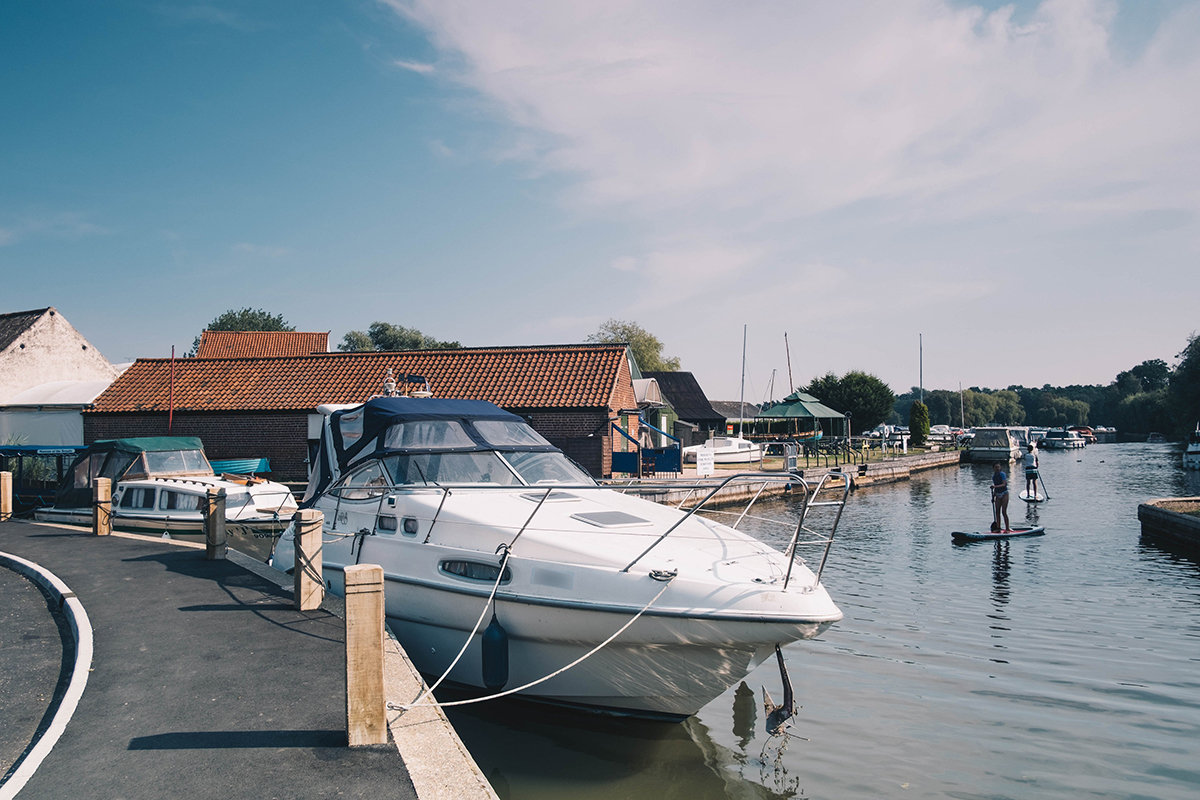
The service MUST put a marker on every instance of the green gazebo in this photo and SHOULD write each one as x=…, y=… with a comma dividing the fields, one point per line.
x=800, y=416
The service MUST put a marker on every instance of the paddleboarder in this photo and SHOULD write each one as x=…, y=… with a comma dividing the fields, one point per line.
x=1000, y=496
x=1031, y=469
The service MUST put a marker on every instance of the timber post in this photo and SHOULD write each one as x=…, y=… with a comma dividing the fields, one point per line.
x=6, y=497
x=366, y=718
x=309, y=578
x=102, y=506
x=215, y=542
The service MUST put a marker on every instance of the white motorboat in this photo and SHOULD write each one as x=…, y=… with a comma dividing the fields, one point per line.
x=726, y=450
x=1191, y=453
x=160, y=484
x=457, y=498
x=1059, y=439
x=989, y=445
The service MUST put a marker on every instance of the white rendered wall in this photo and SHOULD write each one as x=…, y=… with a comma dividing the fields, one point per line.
x=53, y=351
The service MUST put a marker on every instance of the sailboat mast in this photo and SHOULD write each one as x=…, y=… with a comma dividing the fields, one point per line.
x=788, y=350
x=742, y=401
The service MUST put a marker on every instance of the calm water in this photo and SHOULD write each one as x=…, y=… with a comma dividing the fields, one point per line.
x=1057, y=666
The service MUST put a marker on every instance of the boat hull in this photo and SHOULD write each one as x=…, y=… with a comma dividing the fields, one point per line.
x=151, y=524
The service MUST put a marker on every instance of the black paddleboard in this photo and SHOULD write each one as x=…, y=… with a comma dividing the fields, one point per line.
x=1009, y=534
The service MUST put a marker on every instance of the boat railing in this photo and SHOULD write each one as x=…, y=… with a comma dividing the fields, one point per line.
x=708, y=491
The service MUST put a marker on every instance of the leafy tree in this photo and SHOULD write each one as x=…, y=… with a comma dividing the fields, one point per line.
x=867, y=399
x=384, y=336
x=1009, y=410
x=1184, y=389
x=244, y=319
x=1144, y=412
x=647, y=349
x=1060, y=412
x=918, y=423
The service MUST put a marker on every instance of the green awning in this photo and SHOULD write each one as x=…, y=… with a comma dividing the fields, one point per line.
x=799, y=405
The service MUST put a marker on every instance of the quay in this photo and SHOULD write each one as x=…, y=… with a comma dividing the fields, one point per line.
x=1176, y=519
x=202, y=680
x=871, y=473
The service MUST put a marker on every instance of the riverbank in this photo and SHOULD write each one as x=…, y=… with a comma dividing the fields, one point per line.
x=197, y=660
x=1174, y=518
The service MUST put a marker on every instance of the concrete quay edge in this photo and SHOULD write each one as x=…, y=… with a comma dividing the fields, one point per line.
x=437, y=761
x=1174, y=525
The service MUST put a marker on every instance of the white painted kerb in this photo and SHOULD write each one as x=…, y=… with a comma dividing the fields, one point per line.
x=81, y=628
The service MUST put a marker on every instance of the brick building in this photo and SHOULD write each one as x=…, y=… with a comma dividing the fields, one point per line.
x=266, y=407
x=260, y=344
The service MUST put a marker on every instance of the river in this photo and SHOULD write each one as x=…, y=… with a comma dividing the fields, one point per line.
x=1054, y=666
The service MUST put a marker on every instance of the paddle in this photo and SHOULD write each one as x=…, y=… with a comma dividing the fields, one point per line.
x=1043, y=480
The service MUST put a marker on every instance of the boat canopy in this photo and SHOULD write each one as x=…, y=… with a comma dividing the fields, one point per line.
x=143, y=457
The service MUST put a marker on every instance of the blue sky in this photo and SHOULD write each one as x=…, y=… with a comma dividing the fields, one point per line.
x=1018, y=183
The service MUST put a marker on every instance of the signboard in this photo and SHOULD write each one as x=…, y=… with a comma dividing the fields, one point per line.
x=705, y=464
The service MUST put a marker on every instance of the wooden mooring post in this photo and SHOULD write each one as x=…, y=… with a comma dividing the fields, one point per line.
x=215, y=544
x=309, y=579
x=6, y=501
x=102, y=506
x=366, y=718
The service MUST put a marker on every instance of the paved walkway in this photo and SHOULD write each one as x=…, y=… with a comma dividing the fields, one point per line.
x=206, y=683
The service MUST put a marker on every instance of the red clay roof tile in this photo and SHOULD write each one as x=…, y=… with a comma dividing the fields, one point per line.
x=516, y=378
x=260, y=344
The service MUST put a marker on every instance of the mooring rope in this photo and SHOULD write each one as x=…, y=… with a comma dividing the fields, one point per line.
x=418, y=704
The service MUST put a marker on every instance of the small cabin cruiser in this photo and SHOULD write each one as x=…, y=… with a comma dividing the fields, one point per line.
x=457, y=499
x=1191, y=453
x=726, y=450
x=1059, y=439
x=989, y=445
x=160, y=484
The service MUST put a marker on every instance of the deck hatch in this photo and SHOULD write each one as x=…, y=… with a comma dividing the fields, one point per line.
x=554, y=497
x=611, y=519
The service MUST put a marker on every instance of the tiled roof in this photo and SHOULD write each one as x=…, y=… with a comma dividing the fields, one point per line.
x=14, y=324
x=260, y=344
x=515, y=378
x=683, y=392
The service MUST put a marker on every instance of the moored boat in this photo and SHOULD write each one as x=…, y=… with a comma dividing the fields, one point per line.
x=160, y=484
x=456, y=499
x=1191, y=453
x=1059, y=439
x=726, y=450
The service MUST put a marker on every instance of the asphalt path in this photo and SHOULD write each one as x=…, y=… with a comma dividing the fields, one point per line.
x=206, y=682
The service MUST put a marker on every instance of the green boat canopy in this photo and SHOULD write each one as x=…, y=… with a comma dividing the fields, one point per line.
x=799, y=405
x=126, y=458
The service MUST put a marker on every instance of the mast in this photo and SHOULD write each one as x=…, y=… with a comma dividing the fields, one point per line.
x=742, y=402
x=921, y=358
x=788, y=350
x=962, y=415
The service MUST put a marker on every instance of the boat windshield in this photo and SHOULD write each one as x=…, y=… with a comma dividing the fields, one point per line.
x=506, y=433
x=442, y=469
x=547, y=468
x=433, y=434
x=169, y=462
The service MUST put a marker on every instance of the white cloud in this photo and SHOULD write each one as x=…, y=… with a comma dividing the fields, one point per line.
x=66, y=225
x=414, y=66
x=265, y=251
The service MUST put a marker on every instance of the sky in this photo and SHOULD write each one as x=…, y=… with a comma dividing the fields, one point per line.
x=1011, y=189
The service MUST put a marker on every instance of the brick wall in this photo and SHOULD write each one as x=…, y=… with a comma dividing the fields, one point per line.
x=281, y=437
x=568, y=431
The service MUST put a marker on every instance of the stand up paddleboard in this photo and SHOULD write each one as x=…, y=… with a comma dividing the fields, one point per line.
x=1036, y=497
x=1009, y=534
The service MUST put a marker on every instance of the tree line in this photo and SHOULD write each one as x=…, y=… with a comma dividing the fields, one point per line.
x=1152, y=396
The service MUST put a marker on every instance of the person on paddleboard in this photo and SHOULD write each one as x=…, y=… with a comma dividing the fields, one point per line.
x=1031, y=469
x=1000, y=496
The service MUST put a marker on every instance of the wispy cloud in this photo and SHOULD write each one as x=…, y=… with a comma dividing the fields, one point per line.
x=208, y=14
x=64, y=225
x=414, y=66
x=263, y=251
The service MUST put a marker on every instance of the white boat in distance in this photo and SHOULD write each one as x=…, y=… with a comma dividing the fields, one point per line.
x=1059, y=439
x=456, y=499
x=726, y=450
x=160, y=484
x=989, y=445
x=1191, y=453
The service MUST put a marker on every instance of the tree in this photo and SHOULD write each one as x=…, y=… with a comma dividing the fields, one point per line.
x=1060, y=412
x=245, y=319
x=1184, y=389
x=867, y=399
x=384, y=336
x=918, y=423
x=647, y=349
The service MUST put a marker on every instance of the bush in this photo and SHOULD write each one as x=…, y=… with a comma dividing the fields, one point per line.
x=918, y=423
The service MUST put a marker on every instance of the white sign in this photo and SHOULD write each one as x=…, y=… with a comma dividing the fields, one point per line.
x=705, y=462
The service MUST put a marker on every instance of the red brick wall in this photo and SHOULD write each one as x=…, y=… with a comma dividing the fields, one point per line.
x=281, y=437
x=568, y=431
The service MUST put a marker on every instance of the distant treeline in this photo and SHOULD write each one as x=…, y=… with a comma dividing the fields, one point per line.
x=1149, y=397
